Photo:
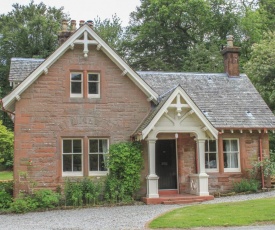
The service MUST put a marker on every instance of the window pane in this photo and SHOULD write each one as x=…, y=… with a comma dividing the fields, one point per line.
x=93, y=77
x=76, y=87
x=67, y=163
x=77, y=162
x=93, y=146
x=67, y=146
x=76, y=77
x=226, y=146
x=102, y=146
x=212, y=145
x=212, y=160
x=234, y=160
x=206, y=146
x=93, y=162
x=77, y=148
x=93, y=88
x=226, y=160
x=206, y=161
x=101, y=163
x=234, y=145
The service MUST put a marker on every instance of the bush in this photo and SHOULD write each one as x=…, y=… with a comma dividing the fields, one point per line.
x=46, y=198
x=125, y=163
x=82, y=192
x=7, y=186
x=24, y=203
x=246, y=186
x=5, y=199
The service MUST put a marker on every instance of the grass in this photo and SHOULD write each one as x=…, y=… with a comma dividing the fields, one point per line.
x=224, y=214
x=6, y=175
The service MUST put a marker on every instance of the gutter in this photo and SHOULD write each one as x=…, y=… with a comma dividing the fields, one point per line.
x=3, y=109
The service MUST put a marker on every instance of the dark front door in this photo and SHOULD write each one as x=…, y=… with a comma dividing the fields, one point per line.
x=166, y=164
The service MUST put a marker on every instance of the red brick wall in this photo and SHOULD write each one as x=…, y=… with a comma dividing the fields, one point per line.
x=249, y=153
x=46, y=113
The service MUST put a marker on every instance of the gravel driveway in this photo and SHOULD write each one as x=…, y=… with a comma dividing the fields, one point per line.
x=109, y=218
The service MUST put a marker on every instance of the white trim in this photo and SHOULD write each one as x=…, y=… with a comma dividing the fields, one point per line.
x=10, y=99
x=97, y=173
x=193, y=107
x=72, y=173
x=217, y=157
x=98, y=83
x=239, y=159
x=76, y=95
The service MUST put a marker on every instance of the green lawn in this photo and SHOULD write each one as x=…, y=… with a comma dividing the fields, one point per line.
x=6, y=175
x=224, y=214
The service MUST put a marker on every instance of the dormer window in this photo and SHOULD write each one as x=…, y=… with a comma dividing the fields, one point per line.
x=93, y=85
x=76, y=84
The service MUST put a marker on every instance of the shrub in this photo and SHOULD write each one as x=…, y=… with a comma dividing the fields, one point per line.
x=246, y=186
x=82, y=192
x=125, y=163
x=6, y=186
x=5, y=199
x=46, y=198
x=24, y=203
x=268, y=167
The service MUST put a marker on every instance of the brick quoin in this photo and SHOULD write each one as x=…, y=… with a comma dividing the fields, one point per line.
x=47, y=113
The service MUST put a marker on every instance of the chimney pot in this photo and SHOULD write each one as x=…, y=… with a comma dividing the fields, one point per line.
x=64, y=25
x=90, y=23
x=230, y=39
x=81, y=23
x=73, y=25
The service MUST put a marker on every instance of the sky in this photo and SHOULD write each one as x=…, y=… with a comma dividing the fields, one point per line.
x=83, y=9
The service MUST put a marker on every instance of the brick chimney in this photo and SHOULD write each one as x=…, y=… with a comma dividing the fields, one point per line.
x=231, y=58
x=66, y=31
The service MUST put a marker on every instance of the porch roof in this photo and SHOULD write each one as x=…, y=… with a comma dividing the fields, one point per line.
x=228, y=103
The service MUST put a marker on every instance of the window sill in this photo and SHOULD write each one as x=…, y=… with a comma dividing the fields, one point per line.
x=98, y=173
x=69, y=174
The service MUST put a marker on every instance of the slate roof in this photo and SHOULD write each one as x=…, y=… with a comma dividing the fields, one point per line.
x=226, y=102
x=20, y=68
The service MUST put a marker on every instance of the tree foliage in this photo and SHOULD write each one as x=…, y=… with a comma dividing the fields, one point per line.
x=261, y=68
x=6, y=146
x=27, y=31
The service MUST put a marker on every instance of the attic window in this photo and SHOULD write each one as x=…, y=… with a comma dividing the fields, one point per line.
x=76, y=84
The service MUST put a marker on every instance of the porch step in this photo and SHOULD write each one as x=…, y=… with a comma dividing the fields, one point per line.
x=177, y=199
x=168, y=192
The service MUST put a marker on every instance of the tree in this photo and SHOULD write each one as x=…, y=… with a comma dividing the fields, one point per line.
x=6, y=146
x=110, y=30
x=165, y=35
x=27, y=31
x=261, y=68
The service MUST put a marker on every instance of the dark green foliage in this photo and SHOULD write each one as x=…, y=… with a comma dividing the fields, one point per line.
x=27, y=31
x=24, y=203
x=6, y=186
x=125, y=163
x=82, y=192
x=46, y=198
x=5, y=199
x=246, y=185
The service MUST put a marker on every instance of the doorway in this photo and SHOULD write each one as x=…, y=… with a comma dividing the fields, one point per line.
x=166, y=164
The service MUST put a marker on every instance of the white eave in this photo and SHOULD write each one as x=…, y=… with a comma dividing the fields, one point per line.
x=9, y=100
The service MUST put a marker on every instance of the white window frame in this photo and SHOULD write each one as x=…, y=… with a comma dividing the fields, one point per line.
x=97, y=173
x=72, y=173
x=98, y=82
x=77, y=95
x=217, y=157
x=238, y=152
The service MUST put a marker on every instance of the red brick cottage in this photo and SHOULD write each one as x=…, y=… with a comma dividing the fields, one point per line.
x=200, y=131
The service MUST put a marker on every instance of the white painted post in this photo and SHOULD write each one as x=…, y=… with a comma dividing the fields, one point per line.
x=152, y=178
x=199, y=182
